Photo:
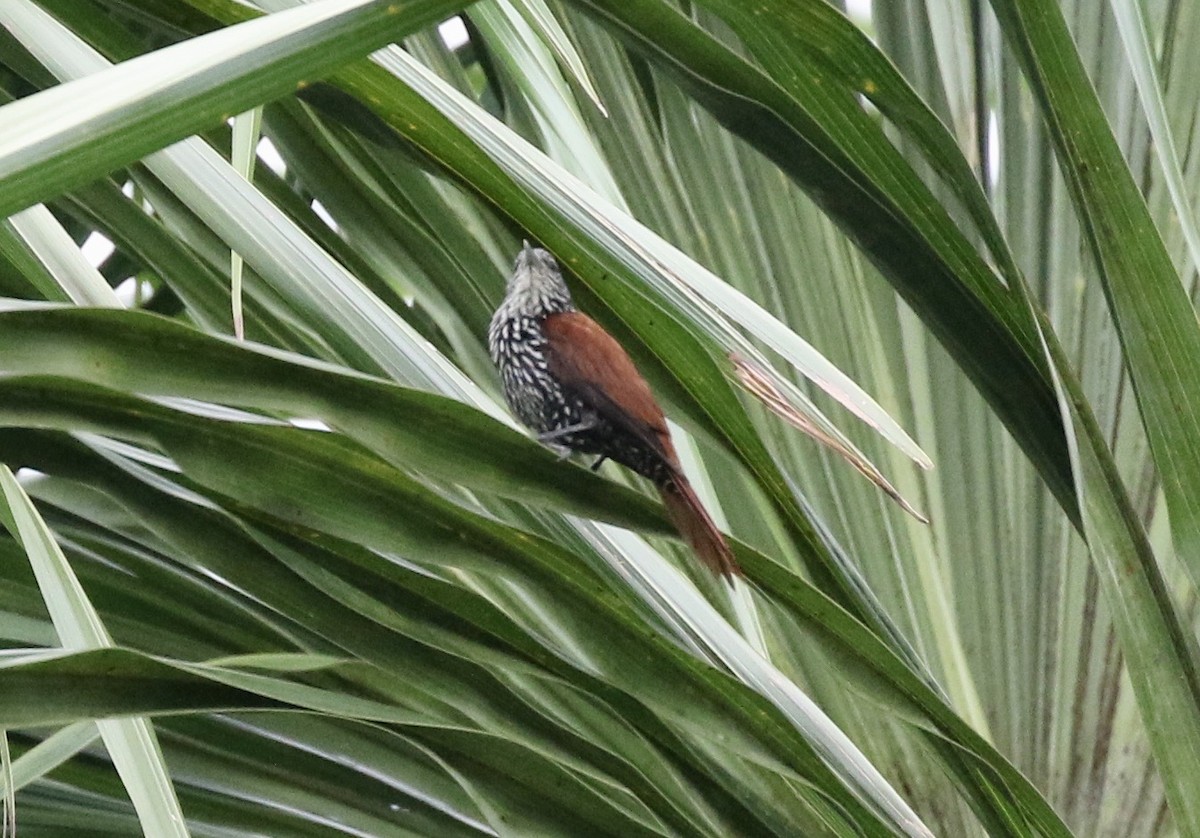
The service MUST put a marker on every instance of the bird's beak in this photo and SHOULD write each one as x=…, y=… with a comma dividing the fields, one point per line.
x=525, y=257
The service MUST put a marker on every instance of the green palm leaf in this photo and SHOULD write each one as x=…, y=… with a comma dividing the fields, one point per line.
x=340, y=593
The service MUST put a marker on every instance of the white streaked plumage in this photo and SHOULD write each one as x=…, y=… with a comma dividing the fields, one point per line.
x=518, y=344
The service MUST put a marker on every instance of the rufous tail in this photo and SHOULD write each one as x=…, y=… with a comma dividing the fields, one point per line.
x=697, y=528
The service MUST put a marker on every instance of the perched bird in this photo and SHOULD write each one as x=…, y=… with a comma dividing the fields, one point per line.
x=573, y=384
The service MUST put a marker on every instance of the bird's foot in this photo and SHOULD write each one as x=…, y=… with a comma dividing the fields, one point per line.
x=550, y=436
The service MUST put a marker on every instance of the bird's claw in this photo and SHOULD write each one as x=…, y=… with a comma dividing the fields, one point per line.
x=549, y=436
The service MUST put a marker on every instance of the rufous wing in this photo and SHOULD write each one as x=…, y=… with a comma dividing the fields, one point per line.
x=588, y=361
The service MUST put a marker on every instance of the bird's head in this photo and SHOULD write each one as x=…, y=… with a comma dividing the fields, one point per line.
x=536, y=284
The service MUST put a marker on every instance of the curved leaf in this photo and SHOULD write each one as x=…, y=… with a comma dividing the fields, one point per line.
x=411, y=429
x=165, y=96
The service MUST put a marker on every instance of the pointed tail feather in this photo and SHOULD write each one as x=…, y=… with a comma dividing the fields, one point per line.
x=696, y=527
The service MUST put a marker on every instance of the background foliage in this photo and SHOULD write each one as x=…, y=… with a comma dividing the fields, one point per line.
x=315, y=582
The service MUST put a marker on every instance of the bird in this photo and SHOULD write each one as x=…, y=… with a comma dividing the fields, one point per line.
x=576, y=388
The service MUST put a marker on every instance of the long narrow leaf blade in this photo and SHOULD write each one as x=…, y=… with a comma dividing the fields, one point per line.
x=1157, y=324
x=131, y=742
x=148, y=102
